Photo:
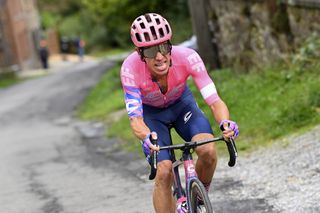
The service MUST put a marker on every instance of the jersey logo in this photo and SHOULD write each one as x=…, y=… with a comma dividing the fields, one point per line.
x=132, y=105
x=187, y=116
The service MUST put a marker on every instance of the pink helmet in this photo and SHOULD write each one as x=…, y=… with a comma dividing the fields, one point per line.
x=150, y=29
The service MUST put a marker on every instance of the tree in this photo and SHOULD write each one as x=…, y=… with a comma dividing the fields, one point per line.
x=107, y=22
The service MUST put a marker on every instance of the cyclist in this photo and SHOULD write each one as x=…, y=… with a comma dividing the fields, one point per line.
x=154, y=80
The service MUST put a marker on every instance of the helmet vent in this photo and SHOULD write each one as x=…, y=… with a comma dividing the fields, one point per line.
x=158, y=21
x=148, y=18
x=146, y=36
x=153, y=31
x=142, y=26
x=161, y=32
x=167, y=28
x=138, y=37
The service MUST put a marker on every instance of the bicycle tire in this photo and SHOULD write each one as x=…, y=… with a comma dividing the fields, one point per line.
x=196, y=189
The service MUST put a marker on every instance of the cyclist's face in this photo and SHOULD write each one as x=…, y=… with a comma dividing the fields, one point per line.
x=158, y=58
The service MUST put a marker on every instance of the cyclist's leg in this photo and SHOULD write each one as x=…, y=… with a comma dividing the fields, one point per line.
x=207, y=160
x=163, y=199
x=192, y=125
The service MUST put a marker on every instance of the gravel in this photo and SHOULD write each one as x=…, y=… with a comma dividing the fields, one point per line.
x=282, y=178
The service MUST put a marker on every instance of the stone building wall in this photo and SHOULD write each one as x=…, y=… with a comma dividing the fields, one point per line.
x=255, y=33
x=20, y=27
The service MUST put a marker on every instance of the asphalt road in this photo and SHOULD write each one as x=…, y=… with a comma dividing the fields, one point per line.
x=45, y=166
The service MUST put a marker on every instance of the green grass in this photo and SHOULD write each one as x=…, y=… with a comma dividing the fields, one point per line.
x=269, y=104
x=109, y=52
x=266, y=104
x=8, y=79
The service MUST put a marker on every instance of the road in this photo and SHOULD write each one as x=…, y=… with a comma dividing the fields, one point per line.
x=50, y=162
x=44, y=164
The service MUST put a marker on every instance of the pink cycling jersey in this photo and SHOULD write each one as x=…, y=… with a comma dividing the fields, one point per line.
x=140, y=89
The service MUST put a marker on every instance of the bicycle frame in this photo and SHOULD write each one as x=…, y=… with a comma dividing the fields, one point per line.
x=189, y=170
x=187, y=161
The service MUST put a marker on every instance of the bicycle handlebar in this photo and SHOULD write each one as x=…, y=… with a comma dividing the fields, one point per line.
x=232, y=149
x=233, y=153
x=153, y=165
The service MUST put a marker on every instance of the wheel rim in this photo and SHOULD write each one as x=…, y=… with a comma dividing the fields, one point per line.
x=196, y=207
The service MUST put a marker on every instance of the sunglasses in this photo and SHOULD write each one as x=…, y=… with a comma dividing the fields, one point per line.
x=151, y=52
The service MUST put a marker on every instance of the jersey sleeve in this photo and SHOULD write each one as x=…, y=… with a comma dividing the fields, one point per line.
x=132, y=94
x=201, y=78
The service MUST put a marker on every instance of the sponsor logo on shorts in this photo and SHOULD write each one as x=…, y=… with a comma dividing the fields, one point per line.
x=187, y=116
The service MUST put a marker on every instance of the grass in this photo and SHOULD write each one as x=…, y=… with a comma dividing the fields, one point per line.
x=109, y=52
x=266, y=104
x=269, y=104
x=7, y=79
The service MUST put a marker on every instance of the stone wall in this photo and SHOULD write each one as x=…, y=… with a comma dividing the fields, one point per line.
x=256, y=33
x=303, y=22
x=19, y=29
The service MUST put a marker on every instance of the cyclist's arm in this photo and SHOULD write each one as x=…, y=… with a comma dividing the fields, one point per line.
x=135, y=112
x=139, y=128
x=133, y=100
x=204, y=83
x=219, y=110
x=208, y=90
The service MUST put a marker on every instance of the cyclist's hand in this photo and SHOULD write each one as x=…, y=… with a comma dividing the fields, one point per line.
x=148, y=147
x=229, y=128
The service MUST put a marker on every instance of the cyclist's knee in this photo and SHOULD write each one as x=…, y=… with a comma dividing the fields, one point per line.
x=164, y=173
x=207, y=153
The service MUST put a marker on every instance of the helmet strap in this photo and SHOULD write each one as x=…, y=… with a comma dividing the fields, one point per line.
x=140, y=52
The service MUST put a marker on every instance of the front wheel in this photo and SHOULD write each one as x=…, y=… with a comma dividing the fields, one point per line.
x=198, y=200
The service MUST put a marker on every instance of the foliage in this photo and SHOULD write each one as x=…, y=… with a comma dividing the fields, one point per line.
x=70, y=26
x=106, y=23
x=60, y=7
x=117, y=22
x=50, y=20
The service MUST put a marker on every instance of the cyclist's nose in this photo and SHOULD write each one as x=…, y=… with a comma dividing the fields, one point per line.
x=159, y=56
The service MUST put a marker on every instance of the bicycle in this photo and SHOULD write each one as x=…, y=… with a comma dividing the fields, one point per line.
x=197, y=197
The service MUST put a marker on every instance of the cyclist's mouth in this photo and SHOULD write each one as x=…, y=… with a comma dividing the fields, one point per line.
x=161, y=67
